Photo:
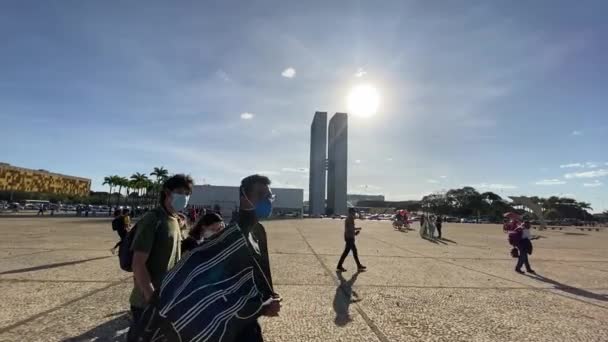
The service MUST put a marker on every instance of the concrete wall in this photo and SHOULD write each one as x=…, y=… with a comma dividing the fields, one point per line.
x=318, y=155
x=337, y=148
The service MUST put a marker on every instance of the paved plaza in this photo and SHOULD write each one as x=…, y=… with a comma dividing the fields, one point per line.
x=59, y=282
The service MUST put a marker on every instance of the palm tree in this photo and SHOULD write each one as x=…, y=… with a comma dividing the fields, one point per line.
x=161, y=175
x=121, y=182
x=109, y=181
x=140, y=181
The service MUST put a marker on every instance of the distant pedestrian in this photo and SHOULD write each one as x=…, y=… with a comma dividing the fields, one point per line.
x=120, y=227
x=40, y=210
x=524, y=245
x=350, y=231
x=438, y=224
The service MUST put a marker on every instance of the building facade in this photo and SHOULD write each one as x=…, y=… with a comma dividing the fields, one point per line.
x=227, y=198
x=318, y=159
x=14, y=178
x=337, y=151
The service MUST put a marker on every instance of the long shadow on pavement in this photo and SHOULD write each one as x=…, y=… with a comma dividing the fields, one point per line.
x=343, y=299
x=55, y=265
x=114, y=330
x=569, y=289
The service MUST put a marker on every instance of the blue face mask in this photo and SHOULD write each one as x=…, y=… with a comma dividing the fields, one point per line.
x=179, y=201
x=263, y=208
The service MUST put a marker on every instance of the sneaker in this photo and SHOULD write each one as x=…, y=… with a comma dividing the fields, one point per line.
x=361, y=268
x=340, y=269
x=531, y=271
x=519, y=271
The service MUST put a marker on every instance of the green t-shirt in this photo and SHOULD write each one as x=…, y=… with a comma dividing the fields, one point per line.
x=159, y=235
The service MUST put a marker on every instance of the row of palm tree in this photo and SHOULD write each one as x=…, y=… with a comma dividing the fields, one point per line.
x=138, y=186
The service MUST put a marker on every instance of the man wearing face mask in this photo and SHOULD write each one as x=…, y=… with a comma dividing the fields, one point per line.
x=255, y=204
x=156, y=244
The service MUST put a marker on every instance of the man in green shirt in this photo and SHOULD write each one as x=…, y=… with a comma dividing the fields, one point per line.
x=156, y=245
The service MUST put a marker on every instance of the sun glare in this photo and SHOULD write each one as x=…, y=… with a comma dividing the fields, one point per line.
x=363, y=100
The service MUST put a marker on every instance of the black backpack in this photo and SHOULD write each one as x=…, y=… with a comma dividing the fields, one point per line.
x=125, y=253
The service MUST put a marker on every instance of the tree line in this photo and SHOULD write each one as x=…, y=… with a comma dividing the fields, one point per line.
x=468, y=202
x=139, y=188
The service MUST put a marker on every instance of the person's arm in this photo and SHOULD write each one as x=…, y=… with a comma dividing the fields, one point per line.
x=142, y=276
x=142, y=246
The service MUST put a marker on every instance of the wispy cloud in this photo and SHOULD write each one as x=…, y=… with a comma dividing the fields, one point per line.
x=550, y=182
x=590, y=165
x=443, y=177
x=577, y=133
x=268, y=173
x=432, y=181
x=360, y=72
x=593, y=184
x=389, y=159
x=495, y=186
x=358, y=161
x=295, y=169
x=247, y=116
x=289, y=73
x=571, y=165
x=587, y=174
x=223, y=75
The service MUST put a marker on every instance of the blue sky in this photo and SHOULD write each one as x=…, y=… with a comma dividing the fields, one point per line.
x=506, y=96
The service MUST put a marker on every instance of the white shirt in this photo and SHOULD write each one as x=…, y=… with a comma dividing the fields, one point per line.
x=526, y=234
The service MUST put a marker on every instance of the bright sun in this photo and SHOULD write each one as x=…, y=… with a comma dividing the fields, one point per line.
x=363, y=100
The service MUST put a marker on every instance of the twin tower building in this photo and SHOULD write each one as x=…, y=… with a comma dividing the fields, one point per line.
x=328, y=164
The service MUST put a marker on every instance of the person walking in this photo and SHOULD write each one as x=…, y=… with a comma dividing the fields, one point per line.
x=350, y=231
x=156, y=244
x=119, y=226
x=438, y=224
x=524, y=245
x=256, y=203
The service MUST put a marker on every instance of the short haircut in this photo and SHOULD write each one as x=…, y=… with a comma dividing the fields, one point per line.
x=352, y=210
x=176, y=182
x=117, y=212
x=248, y=182
x=125, y=211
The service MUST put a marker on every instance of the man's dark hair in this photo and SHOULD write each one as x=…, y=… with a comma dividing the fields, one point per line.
x=175, y=182
x=352, y=211
x=248, y=182
x=125, y=211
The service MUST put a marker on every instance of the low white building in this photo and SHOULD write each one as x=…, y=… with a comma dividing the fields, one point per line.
x=287, y=202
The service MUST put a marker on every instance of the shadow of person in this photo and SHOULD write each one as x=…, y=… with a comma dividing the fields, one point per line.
x=448, y=240
x=343, y=298
x=114, y=330
x=570, y=289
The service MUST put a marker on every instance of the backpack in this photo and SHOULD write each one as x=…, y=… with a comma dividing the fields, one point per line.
x=125, y=253
x=116, y=223
x=514, y=237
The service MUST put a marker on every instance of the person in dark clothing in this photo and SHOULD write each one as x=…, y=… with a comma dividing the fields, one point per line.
x=208, y=225
x=118, y=225
x=438, y=223
x=350, y=231
x=256, y=203
x=525, y=247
